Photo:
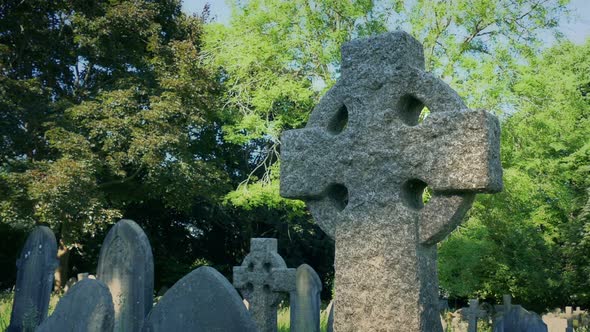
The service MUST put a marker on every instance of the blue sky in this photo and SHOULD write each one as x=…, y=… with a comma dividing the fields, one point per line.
x=577, y=30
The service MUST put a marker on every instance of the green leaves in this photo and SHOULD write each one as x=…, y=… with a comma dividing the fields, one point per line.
x=535, y=228
x=125, y=117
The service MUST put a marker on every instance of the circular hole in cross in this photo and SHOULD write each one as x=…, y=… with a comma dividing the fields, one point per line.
x=338, y=195
x=266, y=289
x=266, y=266
x=249, y=287
x=415, y=193
x=251, y=267
x=339, y=121
x=412, y=110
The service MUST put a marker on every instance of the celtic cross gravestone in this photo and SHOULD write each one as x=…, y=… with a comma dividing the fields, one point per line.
x=261, y=277
x=362, y=163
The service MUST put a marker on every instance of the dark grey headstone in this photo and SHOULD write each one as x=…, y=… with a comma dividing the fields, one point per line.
x=202, y=301
x=261, y=278
x=126, y=266
x=305, y=301
x=86, y=307
x=519, y=320
x=361, y=165
x=34, y=280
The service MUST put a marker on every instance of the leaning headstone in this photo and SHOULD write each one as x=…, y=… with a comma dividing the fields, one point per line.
x=202, y=301
x=86, y=307
x=126, y=266
x=330, y=310
x=472, y=314
x=362, y=164
x=261, y=278
x=34, y=280
x=305, y=301
x=517, y=319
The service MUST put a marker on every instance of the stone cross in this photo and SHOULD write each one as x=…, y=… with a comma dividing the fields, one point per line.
x=126, y=265
x=261, y=277
x=472, y=313
x=362, y=164
x=34, y=280
x=305, y=301
x=506, y=305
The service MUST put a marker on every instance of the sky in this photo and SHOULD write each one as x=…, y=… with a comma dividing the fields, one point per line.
x=577, y=30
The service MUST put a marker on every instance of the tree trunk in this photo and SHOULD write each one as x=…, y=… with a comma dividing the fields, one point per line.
x=61, y=273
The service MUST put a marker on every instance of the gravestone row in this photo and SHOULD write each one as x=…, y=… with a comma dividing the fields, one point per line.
x=121, y=297
x=505, y=317
x=565, y=321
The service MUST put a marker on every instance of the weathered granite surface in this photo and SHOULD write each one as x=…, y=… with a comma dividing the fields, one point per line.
x=126, y=265
x=305, y=301
x=86, y=307
x=202, y=301
x=261, y=278
x=34, y=280
x=361, y=165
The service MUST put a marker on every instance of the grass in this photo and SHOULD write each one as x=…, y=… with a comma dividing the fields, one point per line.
x=284, y=317
x=6, y=298
x=5, y=309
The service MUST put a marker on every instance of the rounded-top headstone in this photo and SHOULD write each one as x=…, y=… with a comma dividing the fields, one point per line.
x=305, y=300
x=86, y=307
x=126, y=266
x=34, y=281
x=202, y=301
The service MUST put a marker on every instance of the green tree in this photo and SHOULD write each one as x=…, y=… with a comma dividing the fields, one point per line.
x=529, y=240
x=278, y=57
x=103, y=105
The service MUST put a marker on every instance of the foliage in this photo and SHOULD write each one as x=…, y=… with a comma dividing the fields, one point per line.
x=284, y=319
x=104, y=107
x=527, y=241
x=276, y=58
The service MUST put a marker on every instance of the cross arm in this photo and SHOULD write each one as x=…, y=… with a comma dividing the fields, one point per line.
x=309, y=163
x=455, y=152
